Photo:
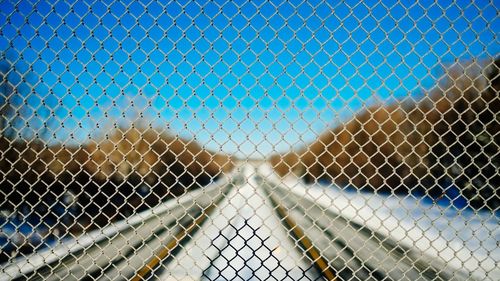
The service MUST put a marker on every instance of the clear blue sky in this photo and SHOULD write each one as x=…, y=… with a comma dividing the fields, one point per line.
x=248, y=77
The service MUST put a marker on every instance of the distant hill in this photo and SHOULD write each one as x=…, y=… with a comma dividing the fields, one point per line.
x=128, y=170
x=451, y=137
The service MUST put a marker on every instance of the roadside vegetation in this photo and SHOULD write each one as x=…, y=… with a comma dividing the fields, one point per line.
x=445, y=145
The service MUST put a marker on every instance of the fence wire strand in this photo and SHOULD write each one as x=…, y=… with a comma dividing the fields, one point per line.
x=284, y=140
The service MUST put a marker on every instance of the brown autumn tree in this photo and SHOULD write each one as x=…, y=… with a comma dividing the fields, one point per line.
x=450, y=137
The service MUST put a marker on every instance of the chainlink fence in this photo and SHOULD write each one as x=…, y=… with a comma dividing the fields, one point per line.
x=249, y=140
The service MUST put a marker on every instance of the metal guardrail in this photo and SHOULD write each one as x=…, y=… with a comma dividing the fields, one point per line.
x=128, y=242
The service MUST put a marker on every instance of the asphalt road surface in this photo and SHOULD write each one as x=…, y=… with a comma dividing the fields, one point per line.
x=252, y=226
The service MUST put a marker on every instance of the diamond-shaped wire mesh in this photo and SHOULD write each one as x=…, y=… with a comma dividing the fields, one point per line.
x=238, y=140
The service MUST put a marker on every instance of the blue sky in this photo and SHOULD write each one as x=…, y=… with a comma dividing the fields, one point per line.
x=247, y=77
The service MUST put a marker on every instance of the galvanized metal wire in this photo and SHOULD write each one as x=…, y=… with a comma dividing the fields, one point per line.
x=282, y=140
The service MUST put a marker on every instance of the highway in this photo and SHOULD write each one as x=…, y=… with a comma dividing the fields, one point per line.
x=246, y=226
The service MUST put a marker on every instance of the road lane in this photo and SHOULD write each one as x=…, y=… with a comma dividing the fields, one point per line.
x=355, y=250
x=95, y=251
x=242, y=241
x=251, y=226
